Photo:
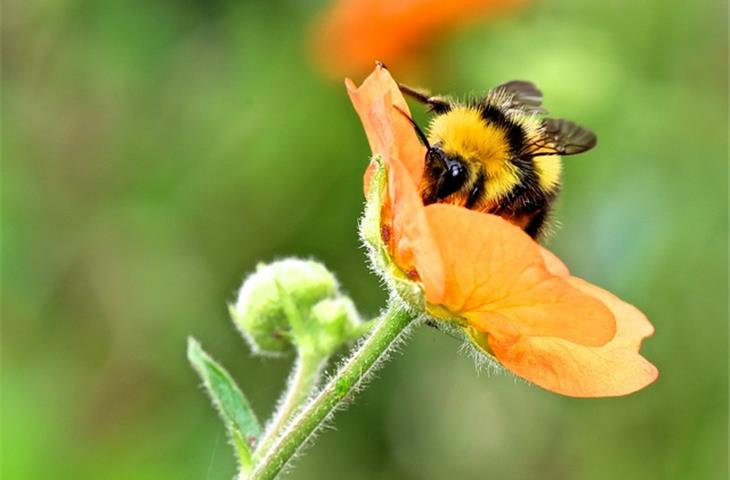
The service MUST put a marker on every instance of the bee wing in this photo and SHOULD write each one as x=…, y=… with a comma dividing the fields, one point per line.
x=524, y=96
x=569, y=137
x=562, y=137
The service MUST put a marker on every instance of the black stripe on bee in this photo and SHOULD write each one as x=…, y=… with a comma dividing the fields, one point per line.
x=514, y=132
x=527, y=196
x=537, y=223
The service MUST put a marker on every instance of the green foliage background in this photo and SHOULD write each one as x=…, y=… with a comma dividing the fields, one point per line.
x=153, y=152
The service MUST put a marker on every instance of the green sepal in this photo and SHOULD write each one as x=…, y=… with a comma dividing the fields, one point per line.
x=237, y=414
x=479, y=340
x=370, y=232
x=410, y=292
x=369, y=227
x=481, y=351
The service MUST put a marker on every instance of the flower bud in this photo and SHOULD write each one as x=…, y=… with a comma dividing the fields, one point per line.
x=337, y=322
x=274, y=302
x=295, y=304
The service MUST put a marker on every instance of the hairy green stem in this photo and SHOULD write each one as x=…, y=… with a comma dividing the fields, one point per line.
x=302, y=381
x=382, y=337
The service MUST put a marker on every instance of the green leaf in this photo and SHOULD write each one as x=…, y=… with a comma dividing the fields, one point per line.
x=237, y=414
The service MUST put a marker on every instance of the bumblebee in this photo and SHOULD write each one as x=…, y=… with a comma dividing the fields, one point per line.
x=497, y=154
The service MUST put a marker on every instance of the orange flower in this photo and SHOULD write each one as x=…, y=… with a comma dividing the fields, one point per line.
x=354, y=33
x=515, y=300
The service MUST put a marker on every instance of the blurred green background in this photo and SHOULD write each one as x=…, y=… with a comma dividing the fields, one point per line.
x=155, y=151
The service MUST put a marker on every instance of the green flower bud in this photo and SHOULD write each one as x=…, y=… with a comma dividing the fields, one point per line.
x=274, y=302
x=337, y=322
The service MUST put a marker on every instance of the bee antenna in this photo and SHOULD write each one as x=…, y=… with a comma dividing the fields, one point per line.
x=419, y=132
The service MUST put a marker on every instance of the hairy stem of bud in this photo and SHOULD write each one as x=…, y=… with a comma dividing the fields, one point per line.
x=384, y=336
x=302, y=381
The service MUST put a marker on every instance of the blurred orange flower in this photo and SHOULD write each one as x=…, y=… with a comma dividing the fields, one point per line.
x=354, y=33
x=515, y=300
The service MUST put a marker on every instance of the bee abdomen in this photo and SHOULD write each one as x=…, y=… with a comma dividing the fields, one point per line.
x=537, y=223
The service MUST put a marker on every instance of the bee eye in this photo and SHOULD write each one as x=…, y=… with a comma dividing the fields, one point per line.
x=453, y=178
x=456, y=170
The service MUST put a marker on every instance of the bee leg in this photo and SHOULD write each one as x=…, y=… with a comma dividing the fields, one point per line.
x=436, y=104
x=477, y=192
x=432, y=324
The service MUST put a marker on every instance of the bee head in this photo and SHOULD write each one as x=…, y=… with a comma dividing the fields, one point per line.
x=446, y=173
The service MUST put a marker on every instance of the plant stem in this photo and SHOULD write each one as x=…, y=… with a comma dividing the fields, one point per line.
x=302, y=381
x=362, y=362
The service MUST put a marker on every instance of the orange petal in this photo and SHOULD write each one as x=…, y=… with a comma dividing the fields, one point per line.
x=393, y=137
x=579, y=371
x=389, y=133
x=632, y=326
x=412, y=237
x=495, y=277
x=553, y=263
x=354, y=33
